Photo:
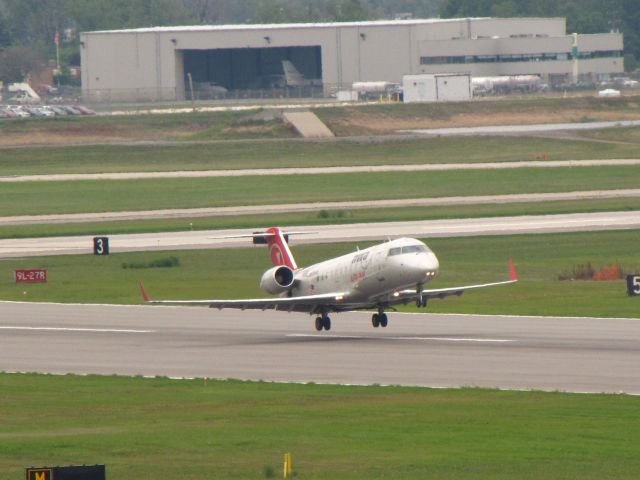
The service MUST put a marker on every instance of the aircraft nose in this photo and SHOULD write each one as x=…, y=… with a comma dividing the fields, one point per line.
x=431, y=264
x=425, y=266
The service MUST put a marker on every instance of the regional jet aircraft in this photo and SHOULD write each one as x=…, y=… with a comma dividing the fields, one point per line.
x=378, y=277
x=293, y=78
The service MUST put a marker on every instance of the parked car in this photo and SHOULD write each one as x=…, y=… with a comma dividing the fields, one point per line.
x=19, y=111
x=7, y=112
x=609, y=92
x=46, y=111
x=59, y=111
x=84, y=110
x=72, y=110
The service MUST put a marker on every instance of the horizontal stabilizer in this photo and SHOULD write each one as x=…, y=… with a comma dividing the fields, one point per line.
x=261, y=238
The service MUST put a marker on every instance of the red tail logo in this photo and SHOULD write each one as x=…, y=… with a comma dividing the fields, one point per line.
x=279, y=250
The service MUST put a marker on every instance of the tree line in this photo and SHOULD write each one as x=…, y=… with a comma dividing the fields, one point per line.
x=28, y=27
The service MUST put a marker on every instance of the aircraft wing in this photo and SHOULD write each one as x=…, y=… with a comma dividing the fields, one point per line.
x=307, y=303
x=405, y=295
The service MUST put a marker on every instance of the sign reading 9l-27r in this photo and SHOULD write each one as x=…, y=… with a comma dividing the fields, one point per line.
x=38, y=275
x=633, y=284
x=101, y=245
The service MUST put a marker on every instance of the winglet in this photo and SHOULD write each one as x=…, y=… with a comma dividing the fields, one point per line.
x=512, y=271
x=145, y=295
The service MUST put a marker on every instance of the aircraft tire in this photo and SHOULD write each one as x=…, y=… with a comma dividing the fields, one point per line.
x=326, y=323
x=375, y=320
x=319, y=324
x=383, y=320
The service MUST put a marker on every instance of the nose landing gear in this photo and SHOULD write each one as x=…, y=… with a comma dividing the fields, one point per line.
x=421, y=300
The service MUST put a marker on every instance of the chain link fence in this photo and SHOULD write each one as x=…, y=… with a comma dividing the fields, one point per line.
x=204, y=93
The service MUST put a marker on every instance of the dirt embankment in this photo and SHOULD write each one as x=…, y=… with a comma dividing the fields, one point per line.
x=387, y=120
x=343, y=121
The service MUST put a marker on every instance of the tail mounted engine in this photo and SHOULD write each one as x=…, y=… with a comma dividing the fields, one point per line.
x=277, y=280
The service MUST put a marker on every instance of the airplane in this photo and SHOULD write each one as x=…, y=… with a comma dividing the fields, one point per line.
x=379, y=277
x=293, y=78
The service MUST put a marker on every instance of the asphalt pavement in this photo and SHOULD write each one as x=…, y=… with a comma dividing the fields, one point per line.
x=249, y=172
x=434, y=350
x=330, y=233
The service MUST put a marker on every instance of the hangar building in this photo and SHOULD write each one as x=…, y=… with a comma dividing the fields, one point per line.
x=156, y=63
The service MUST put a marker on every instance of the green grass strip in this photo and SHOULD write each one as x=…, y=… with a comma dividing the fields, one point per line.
x=235, y=273
x=102, y=196
x=188, y=429
x=322, y=217
x=279, y=154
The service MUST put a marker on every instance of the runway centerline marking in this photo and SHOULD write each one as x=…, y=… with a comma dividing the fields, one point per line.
x=68, y=329
x=437, y=339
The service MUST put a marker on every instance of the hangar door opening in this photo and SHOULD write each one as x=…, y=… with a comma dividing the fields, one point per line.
x=228, y=69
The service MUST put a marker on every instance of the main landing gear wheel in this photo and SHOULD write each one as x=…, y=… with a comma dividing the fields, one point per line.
x=379, y=320
x=323, y=322
x=326, y=323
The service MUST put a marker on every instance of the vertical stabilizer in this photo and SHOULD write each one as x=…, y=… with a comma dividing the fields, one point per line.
x=291, y=74
x=279, y=249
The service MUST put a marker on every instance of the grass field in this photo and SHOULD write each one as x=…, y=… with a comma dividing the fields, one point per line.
x=278, y=154
x=102, y=196
x=321, y=217
x=161, y=428
x=626, y=134
x=181, y=126
x=228, y=273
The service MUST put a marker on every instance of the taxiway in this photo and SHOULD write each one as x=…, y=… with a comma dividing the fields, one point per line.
x=331, y=233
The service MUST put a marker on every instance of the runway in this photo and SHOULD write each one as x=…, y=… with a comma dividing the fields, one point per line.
x=568, y=354
x=331, y=233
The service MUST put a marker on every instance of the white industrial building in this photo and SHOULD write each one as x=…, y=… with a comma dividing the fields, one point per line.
x=158, y=63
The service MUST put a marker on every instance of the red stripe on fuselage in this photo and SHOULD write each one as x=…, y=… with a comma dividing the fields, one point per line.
x=279, y=250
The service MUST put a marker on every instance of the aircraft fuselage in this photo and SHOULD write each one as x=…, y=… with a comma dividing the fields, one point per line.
x=374, y=272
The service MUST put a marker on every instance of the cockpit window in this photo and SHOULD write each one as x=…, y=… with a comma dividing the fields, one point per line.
x=414, y=249
x=407, y=249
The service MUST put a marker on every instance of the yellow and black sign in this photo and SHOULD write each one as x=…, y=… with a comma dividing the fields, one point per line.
x=71, y=472
x=39, y=474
